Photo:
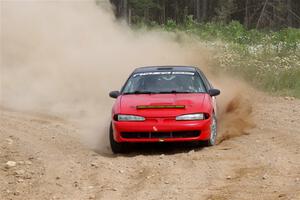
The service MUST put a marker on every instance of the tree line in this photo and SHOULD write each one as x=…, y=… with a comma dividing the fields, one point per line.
x=274, y=14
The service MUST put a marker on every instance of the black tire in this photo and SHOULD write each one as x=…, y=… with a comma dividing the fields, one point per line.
x=214, y=132
x=116, y=147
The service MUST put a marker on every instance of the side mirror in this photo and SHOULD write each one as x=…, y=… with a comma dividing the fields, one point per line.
x=114, y=94
x=214, y=92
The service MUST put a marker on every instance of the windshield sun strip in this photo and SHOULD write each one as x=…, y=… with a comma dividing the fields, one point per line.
x=164, y=73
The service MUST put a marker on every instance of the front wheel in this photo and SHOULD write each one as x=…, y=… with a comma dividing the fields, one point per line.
x=116, y=147
x=213, y=132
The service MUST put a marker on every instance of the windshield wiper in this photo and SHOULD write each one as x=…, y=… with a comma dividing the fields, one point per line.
x=173, y=92
x=141, y=92
x=161, y=92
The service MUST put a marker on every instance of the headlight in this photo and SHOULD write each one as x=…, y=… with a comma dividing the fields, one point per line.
x=129, y=118
x=198, y=116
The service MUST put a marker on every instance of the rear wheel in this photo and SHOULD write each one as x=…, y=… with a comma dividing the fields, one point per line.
x=213, y=132
x=116, y=147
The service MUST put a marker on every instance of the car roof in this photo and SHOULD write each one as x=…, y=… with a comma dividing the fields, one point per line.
x=165, y=68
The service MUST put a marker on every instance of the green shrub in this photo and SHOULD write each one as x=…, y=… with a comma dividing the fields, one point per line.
x=267, y=59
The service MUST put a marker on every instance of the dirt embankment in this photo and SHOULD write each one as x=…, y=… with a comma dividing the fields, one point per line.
x=50, y=162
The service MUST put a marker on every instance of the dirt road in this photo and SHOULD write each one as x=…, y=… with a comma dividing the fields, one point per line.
x=49, y=162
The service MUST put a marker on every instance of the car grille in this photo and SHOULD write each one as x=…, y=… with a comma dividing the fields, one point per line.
x=174, y=134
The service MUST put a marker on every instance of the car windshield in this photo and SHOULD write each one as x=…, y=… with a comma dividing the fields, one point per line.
x=164, y=82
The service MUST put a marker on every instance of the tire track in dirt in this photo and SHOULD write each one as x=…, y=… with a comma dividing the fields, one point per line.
x=270, y=169
x=261, y=165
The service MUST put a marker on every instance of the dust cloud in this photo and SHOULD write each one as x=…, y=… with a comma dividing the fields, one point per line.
x=235, y=108
x=63, y=57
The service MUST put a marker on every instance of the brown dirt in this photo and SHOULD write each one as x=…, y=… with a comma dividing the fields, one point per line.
x=52, y=163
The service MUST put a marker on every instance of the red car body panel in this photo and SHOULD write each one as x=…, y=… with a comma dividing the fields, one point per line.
x=163, y=119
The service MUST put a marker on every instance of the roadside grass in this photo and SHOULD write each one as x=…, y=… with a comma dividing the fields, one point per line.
x=269, y=60
x=266, y=70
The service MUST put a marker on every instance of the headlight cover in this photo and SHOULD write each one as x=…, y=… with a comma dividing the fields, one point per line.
x=191, y=117
x=129, y=118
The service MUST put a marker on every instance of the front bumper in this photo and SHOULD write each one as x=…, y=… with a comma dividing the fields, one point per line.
x=152, y=129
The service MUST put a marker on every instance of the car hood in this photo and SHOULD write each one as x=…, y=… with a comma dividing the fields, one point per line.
x=162, y=105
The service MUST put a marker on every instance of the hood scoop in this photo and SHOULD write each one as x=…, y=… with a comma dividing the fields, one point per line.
x=160, y=107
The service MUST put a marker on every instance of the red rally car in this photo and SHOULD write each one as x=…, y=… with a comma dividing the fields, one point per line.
x=164, y=104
